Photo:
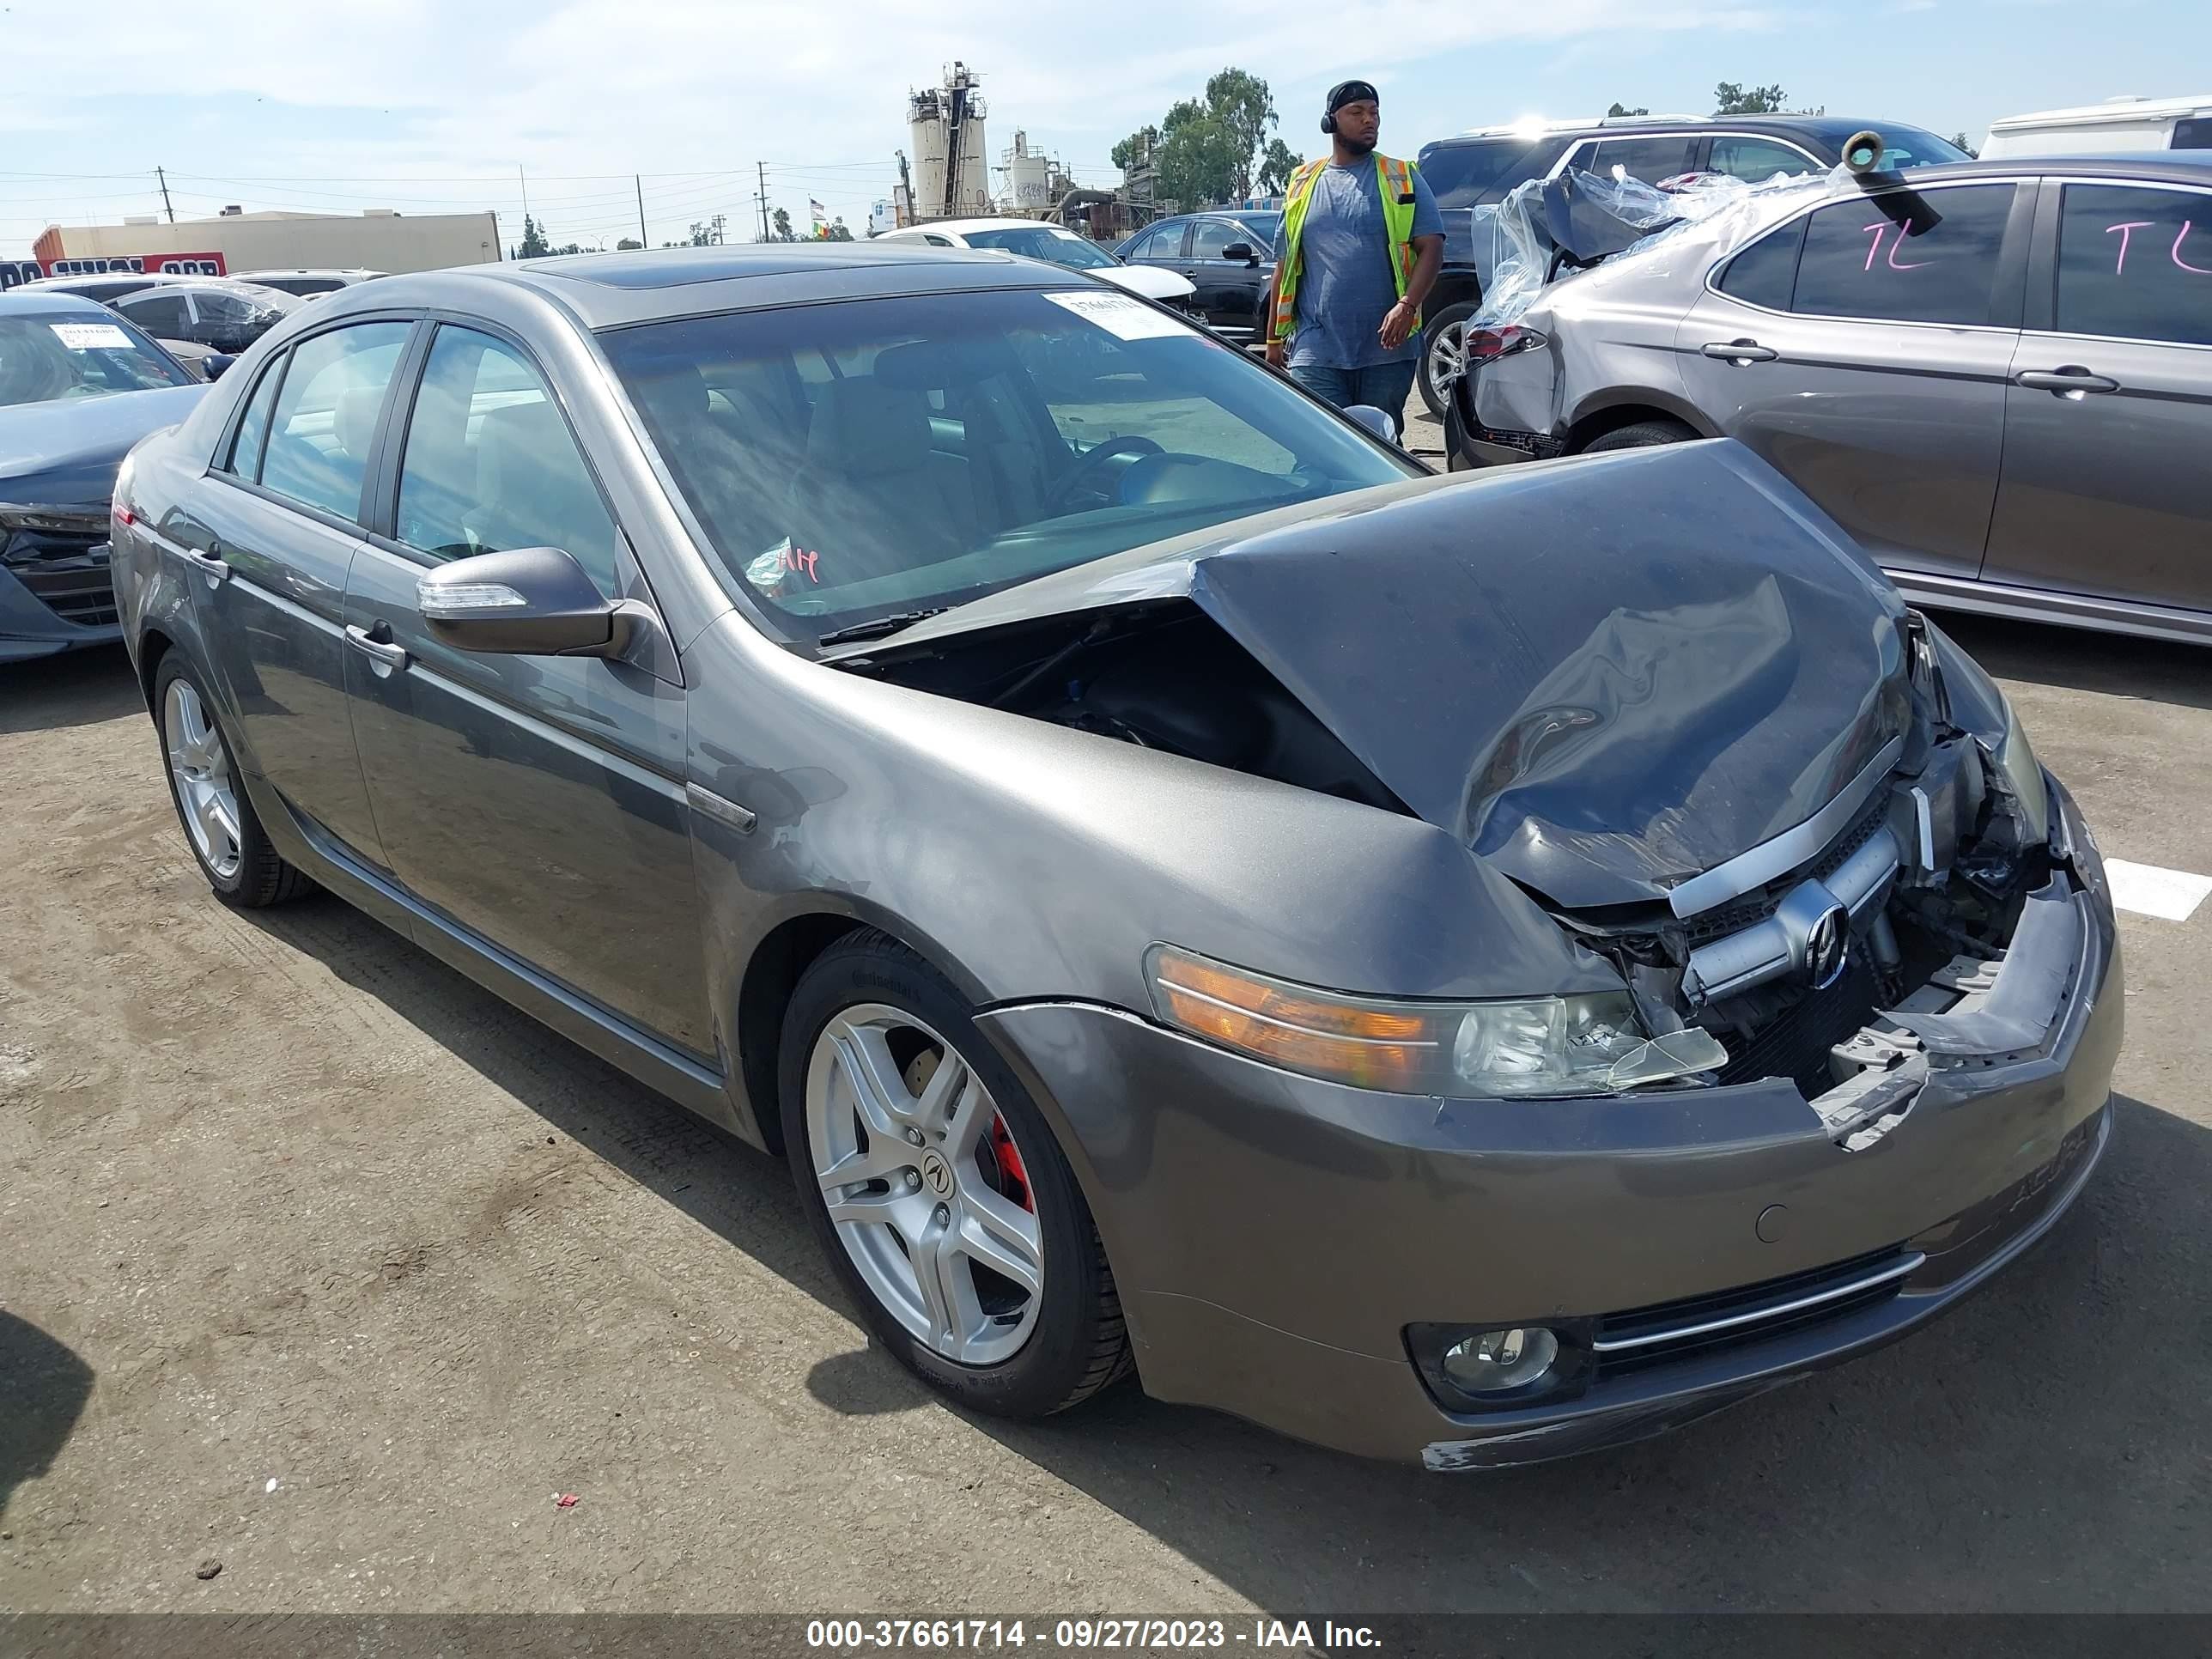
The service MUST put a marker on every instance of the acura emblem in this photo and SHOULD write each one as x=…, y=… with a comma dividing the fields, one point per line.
x=1828, y=947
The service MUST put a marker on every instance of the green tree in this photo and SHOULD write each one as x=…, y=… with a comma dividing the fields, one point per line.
x=1212, y=150
x=837, y=231
x=701, y=236
x=1623, y=109
x=1277, y=165
x=627, y=244
x=534, y=245
x=1960, y=139
x=783, y=225
x=1730, y=98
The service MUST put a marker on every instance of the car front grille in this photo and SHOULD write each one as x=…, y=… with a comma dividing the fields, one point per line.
x=1794, y=1043
x=64, y=564
x=1644, y=1337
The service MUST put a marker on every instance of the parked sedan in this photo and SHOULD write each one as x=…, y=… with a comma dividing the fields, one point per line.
x=216, y=311
x=1055, y=245
x=1189, y=892
x=308, y=283
x=77, y=389
x=1997, y=378
x=1229, y=257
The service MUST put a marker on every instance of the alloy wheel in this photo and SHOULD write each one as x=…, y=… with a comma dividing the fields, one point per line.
x=924, y=1184
x=206, y=795
x=1447, y=356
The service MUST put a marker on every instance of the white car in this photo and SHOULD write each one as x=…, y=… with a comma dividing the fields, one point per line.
x=308, y=283
x=2116, y=127
x=1054, y=245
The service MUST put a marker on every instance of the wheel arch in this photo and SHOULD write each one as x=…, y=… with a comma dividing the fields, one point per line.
x=1609, y=411
x=154, y=645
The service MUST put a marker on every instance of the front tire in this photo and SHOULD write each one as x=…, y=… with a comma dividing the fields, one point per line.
x=220, y=824
x=1443, y=353
x=936, y=1186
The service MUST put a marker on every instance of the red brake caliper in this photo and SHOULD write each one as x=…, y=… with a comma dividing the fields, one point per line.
x=1011, y=1171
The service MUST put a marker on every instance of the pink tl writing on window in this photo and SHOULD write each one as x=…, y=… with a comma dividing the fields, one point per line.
x=1873, y=248
x=800, y=559
x=2127, y=230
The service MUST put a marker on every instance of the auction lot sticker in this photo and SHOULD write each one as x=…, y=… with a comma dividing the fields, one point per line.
x=91, y=337
x=1120, y=315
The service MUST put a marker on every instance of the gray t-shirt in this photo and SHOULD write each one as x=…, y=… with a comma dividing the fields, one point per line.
x=1344, y=285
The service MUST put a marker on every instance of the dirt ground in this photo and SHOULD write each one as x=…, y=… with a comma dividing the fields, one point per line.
x=319, y=1261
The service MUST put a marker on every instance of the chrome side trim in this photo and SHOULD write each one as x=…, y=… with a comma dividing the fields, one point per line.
x=2054, y=605
x=1792, y=847
x=1898, y=1269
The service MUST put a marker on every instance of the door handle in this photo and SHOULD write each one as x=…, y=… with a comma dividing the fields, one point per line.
x=2070, y=381
x=1741, y=353
x=208, y=564
x=384, y=659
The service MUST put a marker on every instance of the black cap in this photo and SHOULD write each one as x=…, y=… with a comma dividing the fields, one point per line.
x=1351, y=92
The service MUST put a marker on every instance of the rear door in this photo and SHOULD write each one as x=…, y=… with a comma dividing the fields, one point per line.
x=278, y=514
x=537, y=802
x=1863, y=349
x=2107, y=485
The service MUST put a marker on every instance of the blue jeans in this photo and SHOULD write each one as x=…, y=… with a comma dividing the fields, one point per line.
x=1383, y=385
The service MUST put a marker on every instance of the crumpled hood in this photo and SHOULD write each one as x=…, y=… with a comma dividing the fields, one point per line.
x=1604, y=676
x=68, y=450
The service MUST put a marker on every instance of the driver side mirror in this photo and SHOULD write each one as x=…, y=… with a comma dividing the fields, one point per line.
x=528, y=602
x=1242, y=252
x=214, y=363
x=1375, y=420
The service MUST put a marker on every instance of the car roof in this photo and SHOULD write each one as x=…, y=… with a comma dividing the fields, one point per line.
x=1833, y=128
x=2180, y=167
x=25, y=301
x=611, y=290
x=1208, y=213
x=300, y=270
x=80, y=279
x=962, y=226
x=2112, y=109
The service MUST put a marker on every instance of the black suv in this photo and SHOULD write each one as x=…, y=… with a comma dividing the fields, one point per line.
x=1476, y=169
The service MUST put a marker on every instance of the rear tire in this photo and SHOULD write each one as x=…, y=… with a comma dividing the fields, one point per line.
x=1642, y=435
x=1443, y=351
x=870, y=1025
x=216, y=815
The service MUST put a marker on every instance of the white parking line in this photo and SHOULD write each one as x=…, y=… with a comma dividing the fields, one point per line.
x=2148, y=890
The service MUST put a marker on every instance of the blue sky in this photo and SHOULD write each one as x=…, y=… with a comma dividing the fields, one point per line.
x=427, y=106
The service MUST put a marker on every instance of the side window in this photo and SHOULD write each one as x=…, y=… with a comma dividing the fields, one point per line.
x=1755, y=160
x=1648, y=159
x=2195, y=133
x=324, y=421
x=937, y=241
x=161, y=315
x=1164, y=243
x=1764, y=273
x=252, y=438
x=1209, y=236
x=2135, y=263
x=1903, y=256
x=491, y=464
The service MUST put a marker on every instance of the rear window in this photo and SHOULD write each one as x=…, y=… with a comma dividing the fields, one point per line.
x=1461, y=175
x=1901, y=255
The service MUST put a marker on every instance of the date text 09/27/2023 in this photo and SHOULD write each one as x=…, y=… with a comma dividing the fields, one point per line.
x=858, y=1635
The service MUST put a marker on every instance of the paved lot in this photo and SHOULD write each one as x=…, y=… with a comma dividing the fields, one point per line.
x=321, y=1262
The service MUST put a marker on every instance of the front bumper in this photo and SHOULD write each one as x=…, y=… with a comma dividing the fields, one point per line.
x=56, y=605
x=1275, y=1236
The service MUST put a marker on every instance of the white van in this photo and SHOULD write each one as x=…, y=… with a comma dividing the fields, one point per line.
x=2117, y=126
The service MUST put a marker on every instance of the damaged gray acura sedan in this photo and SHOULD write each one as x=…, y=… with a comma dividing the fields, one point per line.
x=1462, y=970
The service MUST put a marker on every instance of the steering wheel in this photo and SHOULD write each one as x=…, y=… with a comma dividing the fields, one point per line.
x=1061, y=496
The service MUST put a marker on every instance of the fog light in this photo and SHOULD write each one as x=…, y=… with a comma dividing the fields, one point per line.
x=1497, y=1360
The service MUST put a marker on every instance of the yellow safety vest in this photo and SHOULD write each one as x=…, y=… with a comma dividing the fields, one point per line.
x=1396, y=179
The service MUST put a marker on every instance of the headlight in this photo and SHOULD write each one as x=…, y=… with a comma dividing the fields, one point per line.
x=2022, y=775
x=1571, y=1045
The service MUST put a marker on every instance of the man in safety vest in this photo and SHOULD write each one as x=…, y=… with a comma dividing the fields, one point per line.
x=1358, y=251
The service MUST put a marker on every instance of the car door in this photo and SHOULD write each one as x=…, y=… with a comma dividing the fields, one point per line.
x=1228, y=290
x=1863, y=349
x=536, y=802
x=2107, y=488
x=274, y=523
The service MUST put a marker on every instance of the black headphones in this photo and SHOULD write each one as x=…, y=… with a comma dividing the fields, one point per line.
x=1343, y=93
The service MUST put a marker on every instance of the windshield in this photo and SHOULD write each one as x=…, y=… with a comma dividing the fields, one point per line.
x=1909, y=147
x=859, y=460
x=71, y=355
x=1053, y=246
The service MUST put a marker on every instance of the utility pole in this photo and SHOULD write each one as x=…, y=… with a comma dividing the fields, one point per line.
x=526, y=199
x=906, y=188
x=639, y=180
x=717, y=223
x=761, y=197
x=166, y=207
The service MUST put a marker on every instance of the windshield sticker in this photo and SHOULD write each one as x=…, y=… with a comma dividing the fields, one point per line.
x=1123, y=318
x=91, y=337
x=768, y=572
